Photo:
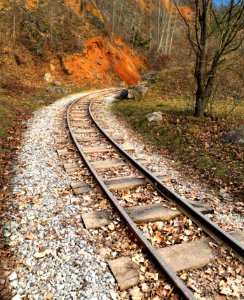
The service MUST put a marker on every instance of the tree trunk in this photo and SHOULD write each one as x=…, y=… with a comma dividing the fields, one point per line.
x=205, y=83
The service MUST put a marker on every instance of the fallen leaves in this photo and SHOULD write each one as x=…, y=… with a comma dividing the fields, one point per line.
x=176, y=231
x=136, y=293
x=219, y=280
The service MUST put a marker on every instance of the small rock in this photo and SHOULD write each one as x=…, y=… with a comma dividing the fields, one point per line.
x=14, y=284
x=48, y=78
x=114, y=254
x=141, y=89
x=122, y=95
x=12, y=276
x=136, y=293
x=111, y=227
x=235, y=136
x=7, y=234
x=40, y=102
x=40, y=254
x=151, y=75
x=113, y=295
x=155, y=116
x=58, y=90
x=160, y=225
x=57, y=83
x=16, y=297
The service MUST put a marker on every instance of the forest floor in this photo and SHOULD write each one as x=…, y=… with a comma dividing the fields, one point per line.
x=197, y=143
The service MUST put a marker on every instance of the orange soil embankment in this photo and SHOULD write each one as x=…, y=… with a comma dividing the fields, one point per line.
x=102, y=61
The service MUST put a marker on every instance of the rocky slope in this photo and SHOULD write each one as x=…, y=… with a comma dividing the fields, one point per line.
x=67, y=39
x=83, y=41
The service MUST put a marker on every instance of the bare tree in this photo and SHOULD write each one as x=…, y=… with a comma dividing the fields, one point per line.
x=218, y=27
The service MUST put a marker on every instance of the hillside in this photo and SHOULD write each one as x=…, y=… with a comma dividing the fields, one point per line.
x=84, y=41
x=67, y=39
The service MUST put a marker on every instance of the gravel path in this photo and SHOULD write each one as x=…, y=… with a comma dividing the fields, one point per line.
x=54, y=260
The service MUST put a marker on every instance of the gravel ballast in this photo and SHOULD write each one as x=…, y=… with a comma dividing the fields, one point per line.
x=55, y=261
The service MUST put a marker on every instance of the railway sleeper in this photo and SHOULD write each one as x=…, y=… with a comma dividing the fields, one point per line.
x=122, y=183
x=95, y=138
x=65, y=152
x=90, y=150
x=71, y=168
x=90, y=130
x=139, y=214
x=80, y=188
x=114, y=163
x=180, y=257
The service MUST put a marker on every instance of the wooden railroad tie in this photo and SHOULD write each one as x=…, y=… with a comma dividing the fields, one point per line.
x=180, y=257
x=64, y=152
x=70, y=168
x=127, y=182
x=90, y=130
x=139, y=214
x=80, y=188
x=96, y=138
x=91, y=150
x=107, y=164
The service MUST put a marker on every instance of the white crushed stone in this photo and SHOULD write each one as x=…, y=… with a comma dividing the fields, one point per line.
x=58, y=263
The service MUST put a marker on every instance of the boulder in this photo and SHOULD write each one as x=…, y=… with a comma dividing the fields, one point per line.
x=122, y=95
x=140, y=89
x=155, y=116
x=235, y=136
x=132, y=92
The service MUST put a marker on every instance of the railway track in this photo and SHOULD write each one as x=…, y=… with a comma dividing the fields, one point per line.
x=116, y=170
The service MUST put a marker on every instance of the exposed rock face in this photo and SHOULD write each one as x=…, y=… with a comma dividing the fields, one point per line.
x=155, y=116
x=103, y=61
x=235, y=136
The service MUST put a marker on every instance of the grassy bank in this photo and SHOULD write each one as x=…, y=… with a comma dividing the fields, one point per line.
x=191, y=141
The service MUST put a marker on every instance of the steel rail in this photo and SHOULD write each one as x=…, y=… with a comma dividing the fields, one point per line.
x=212, y=229
x=158, y=260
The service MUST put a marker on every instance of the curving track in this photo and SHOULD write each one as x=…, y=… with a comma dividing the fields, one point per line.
x=84, y=109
